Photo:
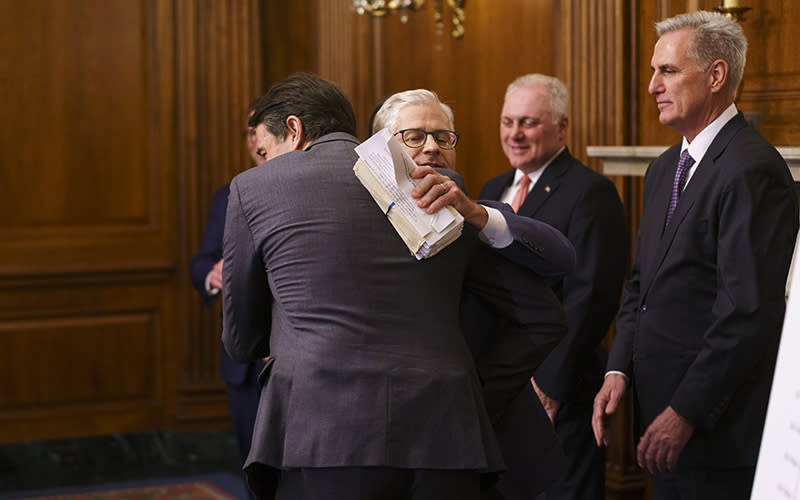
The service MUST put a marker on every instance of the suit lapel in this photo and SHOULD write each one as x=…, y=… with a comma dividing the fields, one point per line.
x=547, y=184
x=493, y=191
x=704, y=174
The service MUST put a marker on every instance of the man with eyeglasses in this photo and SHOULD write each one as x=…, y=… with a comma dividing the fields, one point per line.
x=509, y=336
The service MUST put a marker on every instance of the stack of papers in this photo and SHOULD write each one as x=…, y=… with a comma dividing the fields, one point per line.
x=384, y=169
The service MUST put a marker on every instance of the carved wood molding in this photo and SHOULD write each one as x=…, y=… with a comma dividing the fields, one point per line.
x=595, y=63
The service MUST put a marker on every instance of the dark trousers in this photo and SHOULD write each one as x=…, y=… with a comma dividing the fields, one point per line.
x=584, y=478
x=704, y=484
x=377, y=483
x=243, y=405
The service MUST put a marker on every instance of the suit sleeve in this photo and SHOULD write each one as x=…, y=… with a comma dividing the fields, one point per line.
x=590, y=293
x=757, y=225
x=620, y=357
x=245, y=292
x=210, y=246
x=537, y=246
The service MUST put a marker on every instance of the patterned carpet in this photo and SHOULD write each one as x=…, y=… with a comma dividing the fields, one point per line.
x=222, y=486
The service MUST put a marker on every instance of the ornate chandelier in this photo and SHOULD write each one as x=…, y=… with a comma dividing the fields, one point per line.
x=380, y=8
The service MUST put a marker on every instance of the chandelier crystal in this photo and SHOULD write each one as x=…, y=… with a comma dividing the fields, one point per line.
x=381, y=8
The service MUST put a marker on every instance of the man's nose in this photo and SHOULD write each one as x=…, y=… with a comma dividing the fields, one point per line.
x=430, y=144
x=655, y=84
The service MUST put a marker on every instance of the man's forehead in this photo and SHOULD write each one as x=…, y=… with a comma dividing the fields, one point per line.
x=419, y=112
x=674, y=45
x=526, y=101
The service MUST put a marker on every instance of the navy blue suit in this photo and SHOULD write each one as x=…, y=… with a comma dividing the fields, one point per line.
x=241, y=380
x=586, y=208
x=701, y=316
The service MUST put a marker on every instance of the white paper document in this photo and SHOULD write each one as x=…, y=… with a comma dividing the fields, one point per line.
x=778, y=468
x=384, y=169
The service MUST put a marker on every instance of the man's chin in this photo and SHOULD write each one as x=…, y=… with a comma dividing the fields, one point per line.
x=518, y=162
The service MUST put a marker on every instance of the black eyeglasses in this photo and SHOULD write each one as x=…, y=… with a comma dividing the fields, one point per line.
x=416, y=137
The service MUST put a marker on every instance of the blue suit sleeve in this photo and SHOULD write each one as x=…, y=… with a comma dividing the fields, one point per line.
x=537, y=246
x=210, y=251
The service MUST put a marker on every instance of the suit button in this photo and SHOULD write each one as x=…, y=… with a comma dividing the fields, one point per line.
x=644, y=308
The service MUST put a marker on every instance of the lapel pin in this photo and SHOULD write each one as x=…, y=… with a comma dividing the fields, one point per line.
x=547, y=189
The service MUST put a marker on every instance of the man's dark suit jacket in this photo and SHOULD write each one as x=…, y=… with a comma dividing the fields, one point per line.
x=368, y=365
x=585, y=206
x=702, y=314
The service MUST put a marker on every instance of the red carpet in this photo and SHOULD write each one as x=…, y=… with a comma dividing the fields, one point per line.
x=193, y=490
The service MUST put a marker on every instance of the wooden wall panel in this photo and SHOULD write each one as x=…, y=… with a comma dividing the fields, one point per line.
x=83, y=191
x=81, y=356
x=287, y=38
x=771, y=84
x=88, y=169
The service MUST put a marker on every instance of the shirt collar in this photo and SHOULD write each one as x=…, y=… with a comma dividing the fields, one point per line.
x=701, y=143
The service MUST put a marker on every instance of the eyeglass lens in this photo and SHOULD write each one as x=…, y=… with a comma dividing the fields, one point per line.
x=415, y=137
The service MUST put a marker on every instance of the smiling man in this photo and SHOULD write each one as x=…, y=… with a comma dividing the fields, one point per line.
x=698, y=332
x=548, y=184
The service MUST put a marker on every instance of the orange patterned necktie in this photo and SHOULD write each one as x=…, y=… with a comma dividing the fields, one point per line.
x=522, y=193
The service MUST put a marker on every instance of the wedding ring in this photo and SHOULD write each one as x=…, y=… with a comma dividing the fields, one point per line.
x=444, y=187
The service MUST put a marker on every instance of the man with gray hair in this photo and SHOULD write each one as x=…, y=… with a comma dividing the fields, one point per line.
x=548, y=184
x=698, y=331
x=510, y=333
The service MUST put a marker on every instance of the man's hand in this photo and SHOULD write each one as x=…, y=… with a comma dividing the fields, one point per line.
x=435, y=191
x=663, y=441
x=215, y=276
x=605, y=404
x=551, y=406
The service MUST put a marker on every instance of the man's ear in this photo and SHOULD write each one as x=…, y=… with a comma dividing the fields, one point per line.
x=718, y=73
x=563, y=126
x=295, y=133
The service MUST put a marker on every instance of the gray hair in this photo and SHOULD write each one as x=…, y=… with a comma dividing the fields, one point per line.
x=386, y=117
x=715, y=37
x=559, y=97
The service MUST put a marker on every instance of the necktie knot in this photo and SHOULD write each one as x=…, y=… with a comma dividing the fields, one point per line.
x=684, y=164
x=522, y=193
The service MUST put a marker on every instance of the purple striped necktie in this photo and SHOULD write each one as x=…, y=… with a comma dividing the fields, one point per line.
x=684, y=165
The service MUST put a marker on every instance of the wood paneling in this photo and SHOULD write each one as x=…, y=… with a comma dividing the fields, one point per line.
x=771, y=84
x=83, y=189
x=83, y=355
x=90, y=217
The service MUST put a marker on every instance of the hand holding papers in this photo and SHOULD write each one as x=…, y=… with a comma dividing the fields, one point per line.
x=384, y=169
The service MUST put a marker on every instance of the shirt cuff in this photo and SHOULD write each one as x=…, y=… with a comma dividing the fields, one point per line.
x=210, y=289
x=496, y=232
x=627, y=380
